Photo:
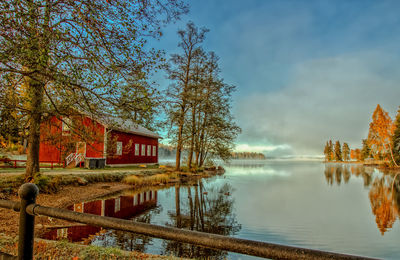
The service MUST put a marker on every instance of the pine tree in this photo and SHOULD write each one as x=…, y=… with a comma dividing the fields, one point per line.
x=327, y=152
x=338, y=152
x=331, y=152
x=345, y=152
x=396, y=139
x=365, y=150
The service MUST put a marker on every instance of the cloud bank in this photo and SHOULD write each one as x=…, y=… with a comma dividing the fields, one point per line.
x=329, y=98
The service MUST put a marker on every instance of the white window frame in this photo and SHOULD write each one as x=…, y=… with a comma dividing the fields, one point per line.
x=154, y=151
x=119, y=148
x=143, y=152
x=117, y=205
x=148, y=150
x=66, y=126
x=137, y=148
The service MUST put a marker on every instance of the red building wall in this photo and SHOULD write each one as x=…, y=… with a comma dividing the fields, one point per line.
x=56, y=145
x=128, y=148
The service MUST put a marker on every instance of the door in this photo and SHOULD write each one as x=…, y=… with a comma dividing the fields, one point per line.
x=81, y=148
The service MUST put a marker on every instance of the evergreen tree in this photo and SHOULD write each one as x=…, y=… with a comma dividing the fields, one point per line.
x=396, y=139
x=327, y=152
x=345, y=152
x=365, y=151
x=331, y=152
x=338, y=152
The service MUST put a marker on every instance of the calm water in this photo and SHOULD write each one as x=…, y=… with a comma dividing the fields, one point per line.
x=341, y=208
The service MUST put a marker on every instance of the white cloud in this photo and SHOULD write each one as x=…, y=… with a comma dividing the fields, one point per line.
x=325, y=98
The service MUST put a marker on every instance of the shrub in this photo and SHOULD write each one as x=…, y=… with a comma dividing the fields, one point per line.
x=133, y=180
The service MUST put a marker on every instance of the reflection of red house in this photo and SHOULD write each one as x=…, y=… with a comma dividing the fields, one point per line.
x=119, y=142
x=124, y=207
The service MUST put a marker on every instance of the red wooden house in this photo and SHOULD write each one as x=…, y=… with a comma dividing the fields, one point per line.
x=109, y=141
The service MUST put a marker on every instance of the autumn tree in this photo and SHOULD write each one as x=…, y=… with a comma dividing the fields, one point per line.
x=338, y=152
x=380, y=135
x=396, y=139
x=77, y=54
x=328, y=151
x=355, y=154
x=181, y=70
x=345, y=152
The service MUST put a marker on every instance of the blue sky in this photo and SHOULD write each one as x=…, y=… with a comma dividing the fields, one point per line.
x=306, y=71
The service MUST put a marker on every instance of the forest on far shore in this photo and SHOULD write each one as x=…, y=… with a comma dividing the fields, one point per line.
x=382, y=143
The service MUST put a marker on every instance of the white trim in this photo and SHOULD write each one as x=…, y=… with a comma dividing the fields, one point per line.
x=105, y=142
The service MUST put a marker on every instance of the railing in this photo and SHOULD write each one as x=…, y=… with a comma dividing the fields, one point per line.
x=28, y=210
x=77, y=157
x=8, y=163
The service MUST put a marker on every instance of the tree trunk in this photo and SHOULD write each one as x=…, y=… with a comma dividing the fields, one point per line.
x=190, y=157
x=179, y=142
x=391, y=154
x=35, y=91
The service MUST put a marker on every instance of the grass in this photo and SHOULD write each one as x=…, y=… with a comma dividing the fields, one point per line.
x=53, y=183
x=44, y=249
x=156, y=179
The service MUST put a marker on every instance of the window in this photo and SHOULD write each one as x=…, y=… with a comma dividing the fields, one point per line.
x=119, y=148
x=66, y=124
x=143, y=150
x=149, y=150
x=136, y=149
x=154, y=150
x=117, y=205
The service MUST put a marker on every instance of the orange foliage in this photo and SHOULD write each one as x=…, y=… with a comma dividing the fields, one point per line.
x=380, y=132
x=382, y=205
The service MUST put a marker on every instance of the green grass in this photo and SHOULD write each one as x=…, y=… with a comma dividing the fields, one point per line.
x=44, y=249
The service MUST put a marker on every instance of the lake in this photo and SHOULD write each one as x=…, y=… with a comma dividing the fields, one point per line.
x=345, y=208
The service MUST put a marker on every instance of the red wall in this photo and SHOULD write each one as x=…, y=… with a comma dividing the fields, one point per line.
x=54, y=146
x=128, y=148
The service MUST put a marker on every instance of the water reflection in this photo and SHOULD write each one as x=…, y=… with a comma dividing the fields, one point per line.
x=195, y=207
x=124, y=207
x=203, y=210
x=384, y=190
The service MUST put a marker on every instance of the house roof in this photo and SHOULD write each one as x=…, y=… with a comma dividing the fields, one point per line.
x=119, y=124
x=127, y=126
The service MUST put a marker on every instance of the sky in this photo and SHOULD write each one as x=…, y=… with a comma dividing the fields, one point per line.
x=306, y=71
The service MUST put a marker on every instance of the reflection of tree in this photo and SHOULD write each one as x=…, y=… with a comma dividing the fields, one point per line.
x=207, y=211
x=384, y=193
x=329, y=169
x=338, y=174
x=382, y=203
x=126, y=240
x=346, y=174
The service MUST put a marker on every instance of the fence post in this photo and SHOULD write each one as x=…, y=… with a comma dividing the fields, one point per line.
x=28, y=193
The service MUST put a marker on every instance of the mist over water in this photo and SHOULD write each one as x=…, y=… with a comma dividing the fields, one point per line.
x=344, y=208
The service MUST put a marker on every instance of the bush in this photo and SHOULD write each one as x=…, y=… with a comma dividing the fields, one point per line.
x=133, y=180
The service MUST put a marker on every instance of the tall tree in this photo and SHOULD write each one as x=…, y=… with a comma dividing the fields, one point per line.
x=77, y=54
x=180, y=70
x=396, y=139
x=338, y=152
x=380, y=135
x=345, y=152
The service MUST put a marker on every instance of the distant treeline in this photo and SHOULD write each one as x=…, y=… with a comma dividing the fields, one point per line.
x=247, y=155
x=382, y=143
x=169, y=151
